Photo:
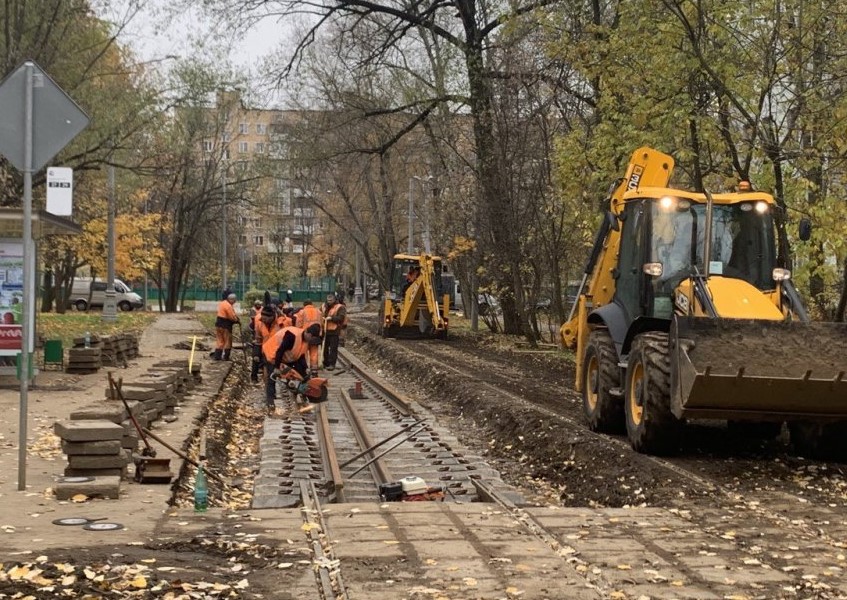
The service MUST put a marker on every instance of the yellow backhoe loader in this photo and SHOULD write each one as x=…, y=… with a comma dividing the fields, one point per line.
x=410, y=307
x=686, y=311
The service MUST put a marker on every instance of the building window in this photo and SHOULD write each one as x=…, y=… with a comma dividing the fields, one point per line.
x=244, y=128
x=242, y=146
x=242, y=239
x=261, y=128
x=258, y=240
x=285, y=205
x=207, y=145
x=260, y=147
x=226, y=154
x=226, y=136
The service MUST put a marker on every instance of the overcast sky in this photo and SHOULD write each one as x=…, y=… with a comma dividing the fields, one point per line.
x=159, y=30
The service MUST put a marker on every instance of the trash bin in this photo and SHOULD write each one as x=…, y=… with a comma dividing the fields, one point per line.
x=54, y=353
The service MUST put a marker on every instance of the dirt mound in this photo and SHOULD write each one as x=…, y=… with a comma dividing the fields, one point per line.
x=545, y=449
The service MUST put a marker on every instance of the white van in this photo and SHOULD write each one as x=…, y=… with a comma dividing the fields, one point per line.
x=85, y=290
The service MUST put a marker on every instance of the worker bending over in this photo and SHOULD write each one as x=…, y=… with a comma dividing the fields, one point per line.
x=289, y=347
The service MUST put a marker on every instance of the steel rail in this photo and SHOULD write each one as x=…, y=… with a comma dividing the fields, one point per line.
x=327, y=568
x=379, y=470
x=710, y=486
x=330, y=457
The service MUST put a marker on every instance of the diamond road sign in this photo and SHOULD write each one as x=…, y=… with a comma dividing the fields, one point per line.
x=56, y=119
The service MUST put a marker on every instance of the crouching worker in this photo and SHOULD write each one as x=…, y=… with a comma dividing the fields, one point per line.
x=289, y=347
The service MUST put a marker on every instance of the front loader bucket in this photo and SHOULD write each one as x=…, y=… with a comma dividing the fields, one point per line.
x=758, y=370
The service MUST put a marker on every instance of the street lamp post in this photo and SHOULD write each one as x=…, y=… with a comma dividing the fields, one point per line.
x=109, y=307
x=223, y=232
x=357, y=290
x=420, y=180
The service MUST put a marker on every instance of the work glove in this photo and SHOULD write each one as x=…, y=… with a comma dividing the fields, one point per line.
x=313, y=373
x=255, y=359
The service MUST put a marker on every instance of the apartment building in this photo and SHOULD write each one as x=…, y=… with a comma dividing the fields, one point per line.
x=277, y=218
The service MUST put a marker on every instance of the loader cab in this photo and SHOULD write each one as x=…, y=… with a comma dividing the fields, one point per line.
x=663, y=241
x=403, y=264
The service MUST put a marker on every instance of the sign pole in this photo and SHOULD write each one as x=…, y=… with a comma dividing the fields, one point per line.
x=109, y=307
x=28, y=275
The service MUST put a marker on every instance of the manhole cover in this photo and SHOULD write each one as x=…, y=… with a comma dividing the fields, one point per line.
x=103, y=526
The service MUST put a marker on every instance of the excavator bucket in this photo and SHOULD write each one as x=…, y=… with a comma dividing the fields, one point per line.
x=758, y=370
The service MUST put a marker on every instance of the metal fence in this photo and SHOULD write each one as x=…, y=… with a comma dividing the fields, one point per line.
x=313, y=288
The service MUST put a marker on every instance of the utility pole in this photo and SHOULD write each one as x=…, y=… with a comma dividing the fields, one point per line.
x=411, y=245
x=223, y=233
x=146, y=279
x=109, y=308
x=357, y=290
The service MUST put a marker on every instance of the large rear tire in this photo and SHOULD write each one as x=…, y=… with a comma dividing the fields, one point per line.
x=820, y=441
x=604, y=412
x=650, y=425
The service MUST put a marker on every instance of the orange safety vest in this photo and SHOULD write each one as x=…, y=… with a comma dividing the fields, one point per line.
x=331, y=325
x=226, y=311
x=273, y=343
x=263, y=332
x=308, y=315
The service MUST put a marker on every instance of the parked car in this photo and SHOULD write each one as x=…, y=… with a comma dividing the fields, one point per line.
x=85, y=291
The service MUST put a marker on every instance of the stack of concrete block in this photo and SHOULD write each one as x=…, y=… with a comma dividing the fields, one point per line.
x=116, y=413
x=190, y=377
x=116, y=350
x=164, y=383
x=179, y=369
x=151, y=401
x=84, y=360
x=94, y=447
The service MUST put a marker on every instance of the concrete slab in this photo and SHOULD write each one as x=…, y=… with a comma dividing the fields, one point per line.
x=100, y=487
x=88, y=430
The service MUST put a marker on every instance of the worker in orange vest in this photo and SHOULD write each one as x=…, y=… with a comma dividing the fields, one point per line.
x=266, y=326
x=308, y=315
x=284, y=317
x=335, y=314
x=224, y=322
x=289, y=347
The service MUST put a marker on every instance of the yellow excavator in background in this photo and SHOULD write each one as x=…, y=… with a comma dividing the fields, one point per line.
x=410, y=307
x=686, y=311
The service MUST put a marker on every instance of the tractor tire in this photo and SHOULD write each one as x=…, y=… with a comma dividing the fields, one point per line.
x=650, y=425
x=604, y=412
x=819, y=441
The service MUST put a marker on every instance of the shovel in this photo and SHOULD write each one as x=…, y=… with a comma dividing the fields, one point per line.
x=148, y=468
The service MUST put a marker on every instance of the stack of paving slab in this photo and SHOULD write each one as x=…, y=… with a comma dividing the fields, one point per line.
x=82, y=360
x=119, y=348
x=95, y=449
x=100, y=440
x=187, y=378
